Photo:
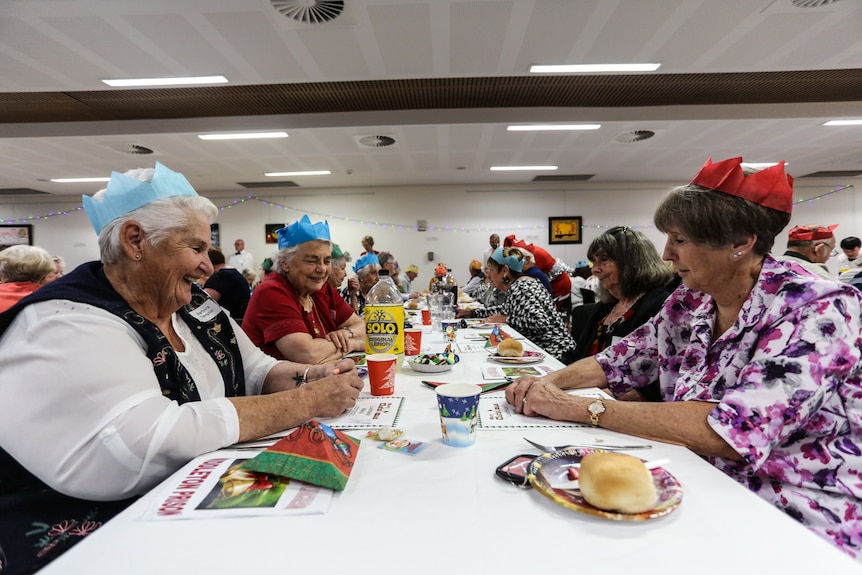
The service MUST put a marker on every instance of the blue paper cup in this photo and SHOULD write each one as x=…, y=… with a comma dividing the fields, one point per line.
x=459, y=413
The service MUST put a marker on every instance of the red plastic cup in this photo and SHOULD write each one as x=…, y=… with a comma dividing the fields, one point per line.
x=412, y=341
x=381, y=373
x=426, y=317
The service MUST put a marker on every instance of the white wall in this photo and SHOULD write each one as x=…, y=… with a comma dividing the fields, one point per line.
x=460, y=218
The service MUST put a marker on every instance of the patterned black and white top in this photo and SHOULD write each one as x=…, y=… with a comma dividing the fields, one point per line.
x=532, y=312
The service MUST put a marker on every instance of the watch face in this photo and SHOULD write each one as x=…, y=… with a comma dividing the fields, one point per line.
x=596, y=407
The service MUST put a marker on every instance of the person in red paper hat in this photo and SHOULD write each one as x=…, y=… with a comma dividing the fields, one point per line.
x=759, y=362
x=811, y=246
x=554, y=268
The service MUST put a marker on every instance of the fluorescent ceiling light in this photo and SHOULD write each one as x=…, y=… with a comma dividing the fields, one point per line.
x=843, y=123
x=761, y=165
x=521, y=168
x=79, y=180
x=174, y=81
x=305, y=173
x=241, y=136
x=551, y=127
x=591, y=68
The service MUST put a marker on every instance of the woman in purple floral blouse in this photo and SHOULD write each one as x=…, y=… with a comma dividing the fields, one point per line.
x=758, y=360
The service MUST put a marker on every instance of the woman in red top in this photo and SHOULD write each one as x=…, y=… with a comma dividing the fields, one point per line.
x=23, y=270
x=294, y=313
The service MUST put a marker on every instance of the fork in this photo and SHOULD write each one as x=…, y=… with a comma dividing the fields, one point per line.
x=550, y=448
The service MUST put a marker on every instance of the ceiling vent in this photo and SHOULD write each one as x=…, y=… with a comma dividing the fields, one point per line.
x=309, y=11
x=133, y=149
x=812, y=3
x=635, y=136
x=375, y=141
x=834, y=174
x=20, y=192
x=564, y=178
x=255, y=185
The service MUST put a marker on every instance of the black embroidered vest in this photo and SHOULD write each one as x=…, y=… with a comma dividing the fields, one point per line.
x=88, y=284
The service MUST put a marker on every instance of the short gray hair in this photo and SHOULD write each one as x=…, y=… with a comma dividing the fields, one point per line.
x=367, y=269
x=25, y=264
x=285, y=256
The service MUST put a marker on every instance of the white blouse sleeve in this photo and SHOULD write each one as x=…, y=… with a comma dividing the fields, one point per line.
x=81, y=408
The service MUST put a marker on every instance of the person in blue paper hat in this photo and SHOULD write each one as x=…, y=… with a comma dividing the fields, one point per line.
x=294, y=313
x=528, y=306
x=132, y=371
x=366, y=269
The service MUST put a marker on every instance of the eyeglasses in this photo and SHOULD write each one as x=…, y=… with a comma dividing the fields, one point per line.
x=834, y=251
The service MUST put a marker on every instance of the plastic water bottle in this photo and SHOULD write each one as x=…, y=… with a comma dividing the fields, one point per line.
x=384, y=317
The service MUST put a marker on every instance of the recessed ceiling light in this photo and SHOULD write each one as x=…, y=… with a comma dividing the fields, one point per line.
x=761, y=165
x=174, y=81
x=78, y=180
x=591, y=68
x=843, y=123
x=521, y=168
x=243, y=136
x=551, y=127
x=305, y=173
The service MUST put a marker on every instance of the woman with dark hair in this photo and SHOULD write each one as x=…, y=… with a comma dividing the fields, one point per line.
x=528, y=306
x=631, y=289
x=758, y=362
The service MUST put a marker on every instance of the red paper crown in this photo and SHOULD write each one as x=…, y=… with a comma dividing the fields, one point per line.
x=770, y=187
x=809, y=233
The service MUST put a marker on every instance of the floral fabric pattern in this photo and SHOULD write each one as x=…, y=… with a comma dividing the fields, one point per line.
x=787, y=382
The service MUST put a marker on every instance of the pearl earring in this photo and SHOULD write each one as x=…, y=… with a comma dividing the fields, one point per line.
x=737, y=255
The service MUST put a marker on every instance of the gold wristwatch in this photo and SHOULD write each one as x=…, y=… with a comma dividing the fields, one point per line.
x=596, y=408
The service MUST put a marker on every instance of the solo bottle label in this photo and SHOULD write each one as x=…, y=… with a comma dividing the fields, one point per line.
x=384, y=328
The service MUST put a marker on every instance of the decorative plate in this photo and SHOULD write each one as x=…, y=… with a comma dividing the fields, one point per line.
x=416, y=363
x=528, y=357
x=551, y=468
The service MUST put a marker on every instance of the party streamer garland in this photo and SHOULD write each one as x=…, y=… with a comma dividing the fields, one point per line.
x=239, y=201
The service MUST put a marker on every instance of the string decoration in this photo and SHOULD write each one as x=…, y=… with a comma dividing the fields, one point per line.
x=400, y=227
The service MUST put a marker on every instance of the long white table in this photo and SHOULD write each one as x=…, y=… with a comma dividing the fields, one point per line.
x=444, y=510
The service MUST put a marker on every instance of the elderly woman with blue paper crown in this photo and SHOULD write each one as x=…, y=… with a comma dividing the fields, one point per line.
x=119, y=373
x=758, y=361
x=366, y=269
x=294, y=313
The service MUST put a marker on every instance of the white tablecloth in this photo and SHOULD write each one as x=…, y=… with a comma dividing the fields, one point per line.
x=444, y=511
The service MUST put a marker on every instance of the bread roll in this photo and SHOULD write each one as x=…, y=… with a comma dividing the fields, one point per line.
x=617, y=482
x=510, y=348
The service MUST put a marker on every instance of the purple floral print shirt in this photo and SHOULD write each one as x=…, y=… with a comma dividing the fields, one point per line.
x=786, y=379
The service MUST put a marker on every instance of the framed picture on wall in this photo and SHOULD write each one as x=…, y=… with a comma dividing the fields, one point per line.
x=215, y=236
x=16, y=235
x=564, y=230
x=270, y=229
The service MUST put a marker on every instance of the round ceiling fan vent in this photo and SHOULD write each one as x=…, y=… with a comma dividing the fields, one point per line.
x=309, y=11
x=133, y=149
x=635, y=136
x=375, y=141
x=812, y=3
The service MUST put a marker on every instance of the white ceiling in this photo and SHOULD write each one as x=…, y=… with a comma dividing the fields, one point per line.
x=69, y=45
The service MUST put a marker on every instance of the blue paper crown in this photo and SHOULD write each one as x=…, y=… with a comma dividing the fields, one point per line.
x=364, y=261
x=302, y=231
x=124, y=194
x=513, y=262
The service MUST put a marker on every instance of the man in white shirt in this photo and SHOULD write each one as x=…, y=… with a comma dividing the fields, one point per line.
x=494, y=242
x=849, y=263
x=242, y=258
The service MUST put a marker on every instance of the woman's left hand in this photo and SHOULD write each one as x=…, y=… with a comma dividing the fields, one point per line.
x=544, y=398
